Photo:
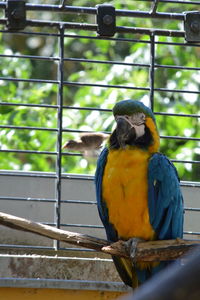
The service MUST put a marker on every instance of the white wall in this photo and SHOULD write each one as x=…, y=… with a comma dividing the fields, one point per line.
x=73, y=188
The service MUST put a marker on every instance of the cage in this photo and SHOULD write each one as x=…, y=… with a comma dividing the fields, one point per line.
x=63, y=66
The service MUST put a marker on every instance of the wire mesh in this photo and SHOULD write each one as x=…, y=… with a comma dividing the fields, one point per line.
x=60, y=104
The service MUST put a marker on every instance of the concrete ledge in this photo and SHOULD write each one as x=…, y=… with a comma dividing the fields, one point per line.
x=62, y=268
x=63, y=284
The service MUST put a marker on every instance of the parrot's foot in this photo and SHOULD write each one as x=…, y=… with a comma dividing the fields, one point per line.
x=132, y=246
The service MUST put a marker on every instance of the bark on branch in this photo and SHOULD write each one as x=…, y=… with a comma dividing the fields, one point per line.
x=146, y=251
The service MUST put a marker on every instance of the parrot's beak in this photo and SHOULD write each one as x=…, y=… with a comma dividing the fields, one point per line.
x=125, y=133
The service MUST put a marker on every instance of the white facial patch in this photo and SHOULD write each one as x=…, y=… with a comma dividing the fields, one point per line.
x=137, y=121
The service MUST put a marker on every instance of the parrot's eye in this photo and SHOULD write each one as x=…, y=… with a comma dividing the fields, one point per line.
x=138, y=119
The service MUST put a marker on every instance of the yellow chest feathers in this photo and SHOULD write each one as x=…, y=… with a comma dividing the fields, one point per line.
x=125, y=191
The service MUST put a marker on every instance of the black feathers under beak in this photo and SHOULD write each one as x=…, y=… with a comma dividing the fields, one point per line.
x=124, y=133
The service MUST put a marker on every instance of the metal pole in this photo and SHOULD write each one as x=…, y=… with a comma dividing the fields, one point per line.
x=59, y=135
x=151, y=70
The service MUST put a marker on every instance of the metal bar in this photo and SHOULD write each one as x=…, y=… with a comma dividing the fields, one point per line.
x=84, y=60
x=28, y=105
x=25, y=247
x=30, y=174
x=151, y=70
x=154, y=7
x=192, y=232
x=192, y=209
x=73, y=177
x=71, y=83
x=49, y=58
x=29, y=199
x=59, y=136
x=28, y=128
x=28, y=80
x=95, y=109
x=185, y=161
x=93, y=11
x=82, y=226
x=176, y=115
x=80, y=154
x=28, y=151
x=102, y=38
x=180, y=138
x=105, y=85
x=91, y=27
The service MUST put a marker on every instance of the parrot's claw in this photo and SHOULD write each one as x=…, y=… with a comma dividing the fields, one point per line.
x=132, y=246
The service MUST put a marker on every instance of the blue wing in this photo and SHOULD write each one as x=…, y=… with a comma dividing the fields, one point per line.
x=102, y=208
x=164, y=198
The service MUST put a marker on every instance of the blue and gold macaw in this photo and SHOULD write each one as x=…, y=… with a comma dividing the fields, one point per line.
x=137, y=188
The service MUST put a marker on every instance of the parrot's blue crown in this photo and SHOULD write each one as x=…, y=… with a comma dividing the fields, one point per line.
x=129, y=107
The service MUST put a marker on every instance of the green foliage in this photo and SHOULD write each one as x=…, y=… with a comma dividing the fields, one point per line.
x=127, y=76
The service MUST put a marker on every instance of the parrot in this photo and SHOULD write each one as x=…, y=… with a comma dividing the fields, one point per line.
x=137, y=188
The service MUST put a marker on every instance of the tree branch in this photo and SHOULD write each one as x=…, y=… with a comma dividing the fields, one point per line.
x=146, y=251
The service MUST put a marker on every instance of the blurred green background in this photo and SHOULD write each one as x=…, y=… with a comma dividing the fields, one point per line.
x=125, y=50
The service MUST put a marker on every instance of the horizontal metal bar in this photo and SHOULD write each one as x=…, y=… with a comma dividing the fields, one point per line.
x=10, y=246
x=28, y=105
x=176, y=115
x=88, y=108
x=192, y=232
x=93, y=11
x=109, y=62
x=71, y=83
x=83, y=131
x=92, y=27
x=192, y=209
x=26, y=247
x=79, y=154
x=77, y=249
x=184, y=68
x=129, y=87
x=74, y=36
x=176, y=91
x=29, y=33
x=83, y=60
x=82, y=226
x=185, y=161
x=73, y=177
x=180, y=138
x=28, y=128
x=29, y=199
x=32, y=57
x=28, y=80
x=27, y=151
x=79, y=202
x=74, y=225
x=28, y=174
x=93, y=109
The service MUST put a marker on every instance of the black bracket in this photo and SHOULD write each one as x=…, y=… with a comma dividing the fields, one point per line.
x=192, y=26
x=16, y=14
x=106, y=20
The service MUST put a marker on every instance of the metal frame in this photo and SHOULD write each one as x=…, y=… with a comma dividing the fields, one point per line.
x=60, y=82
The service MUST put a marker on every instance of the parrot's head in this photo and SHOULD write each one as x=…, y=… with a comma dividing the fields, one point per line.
x=136, y=126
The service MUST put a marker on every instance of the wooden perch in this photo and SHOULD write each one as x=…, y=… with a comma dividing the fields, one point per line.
x=146, y=251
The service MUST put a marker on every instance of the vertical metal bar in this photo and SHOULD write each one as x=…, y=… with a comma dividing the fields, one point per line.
x=154, y=7
x=151, y=70
x=59, y=135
